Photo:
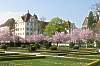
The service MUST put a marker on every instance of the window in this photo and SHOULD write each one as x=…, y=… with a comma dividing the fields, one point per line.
x=27, y=28
x=30, y=29
x=18, y=33
x=31, y=33
x=31, y=24
x=23, y=28
x=27, y=33
x=17, y=29
x=27, y=23
x=23, y=33
x=20, y=28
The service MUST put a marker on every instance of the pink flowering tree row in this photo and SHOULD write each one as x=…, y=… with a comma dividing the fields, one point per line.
x=7, y=38
x=81, y=34
x=35, y=38
x=76, y=34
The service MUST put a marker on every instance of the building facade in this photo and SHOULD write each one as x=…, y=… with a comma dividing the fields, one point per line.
x=96, y=15
x=26, y=25
x=85, y=23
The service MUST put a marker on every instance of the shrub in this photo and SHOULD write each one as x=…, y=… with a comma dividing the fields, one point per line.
x=76, y=47
x=33, y=48
x=54, y=47
x=97, y=44
x=23, y=46
x=71, y=45
x=37, y=45
x=3, y=46
x=90, y=46
x=11, y=44
x=47, y=45
x=29, y=47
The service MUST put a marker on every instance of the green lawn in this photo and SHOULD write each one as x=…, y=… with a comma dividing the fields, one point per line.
x=47, y=62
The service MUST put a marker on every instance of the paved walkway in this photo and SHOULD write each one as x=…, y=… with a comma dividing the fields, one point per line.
x=39, y=54
x=23, y=53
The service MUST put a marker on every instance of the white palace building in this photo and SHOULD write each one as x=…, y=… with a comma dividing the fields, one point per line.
x=26, y=25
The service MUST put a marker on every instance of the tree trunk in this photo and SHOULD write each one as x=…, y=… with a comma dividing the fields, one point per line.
x=57, y=44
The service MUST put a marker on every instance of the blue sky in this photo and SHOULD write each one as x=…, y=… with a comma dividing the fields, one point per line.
x=74, y=10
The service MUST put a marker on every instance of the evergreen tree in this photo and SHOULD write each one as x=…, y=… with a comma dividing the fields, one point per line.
x=91, y=21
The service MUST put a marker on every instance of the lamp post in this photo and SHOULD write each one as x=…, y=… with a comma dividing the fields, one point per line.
x=14, y=36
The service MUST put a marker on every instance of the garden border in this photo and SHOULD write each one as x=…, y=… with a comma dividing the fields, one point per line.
x=94, y=63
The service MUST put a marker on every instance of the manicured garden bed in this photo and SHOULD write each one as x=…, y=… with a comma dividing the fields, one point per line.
x=73, y=58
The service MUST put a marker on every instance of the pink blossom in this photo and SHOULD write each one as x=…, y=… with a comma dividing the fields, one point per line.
x=81, y=34
x=60, y=37
x=35, y=38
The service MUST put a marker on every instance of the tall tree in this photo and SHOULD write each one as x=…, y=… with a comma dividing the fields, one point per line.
x=67, y=25
x=10, y=23
x=42, y=25
x=91, y=21
x=55, y=25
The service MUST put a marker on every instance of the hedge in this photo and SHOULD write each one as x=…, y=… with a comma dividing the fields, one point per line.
x=20, y=58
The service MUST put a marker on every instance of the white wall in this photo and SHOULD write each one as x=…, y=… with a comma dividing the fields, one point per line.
x=20, y=27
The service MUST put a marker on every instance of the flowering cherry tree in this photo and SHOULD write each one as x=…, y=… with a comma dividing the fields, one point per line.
x=75, y=35
x=86, y=34
x=5, y=38
x=60, y=37
x=18, y=38
x=81, y=34
x=35, y=38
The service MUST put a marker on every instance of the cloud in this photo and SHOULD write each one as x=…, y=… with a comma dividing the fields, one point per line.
x=6, y=15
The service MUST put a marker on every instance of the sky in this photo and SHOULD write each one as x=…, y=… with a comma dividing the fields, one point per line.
x=72, y=10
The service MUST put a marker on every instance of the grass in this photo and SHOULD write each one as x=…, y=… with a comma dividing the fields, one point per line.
x=85, y=56
x=47, y=62
x=14, y=49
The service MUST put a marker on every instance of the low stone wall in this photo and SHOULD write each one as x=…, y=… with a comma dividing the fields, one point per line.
x=60, y=44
